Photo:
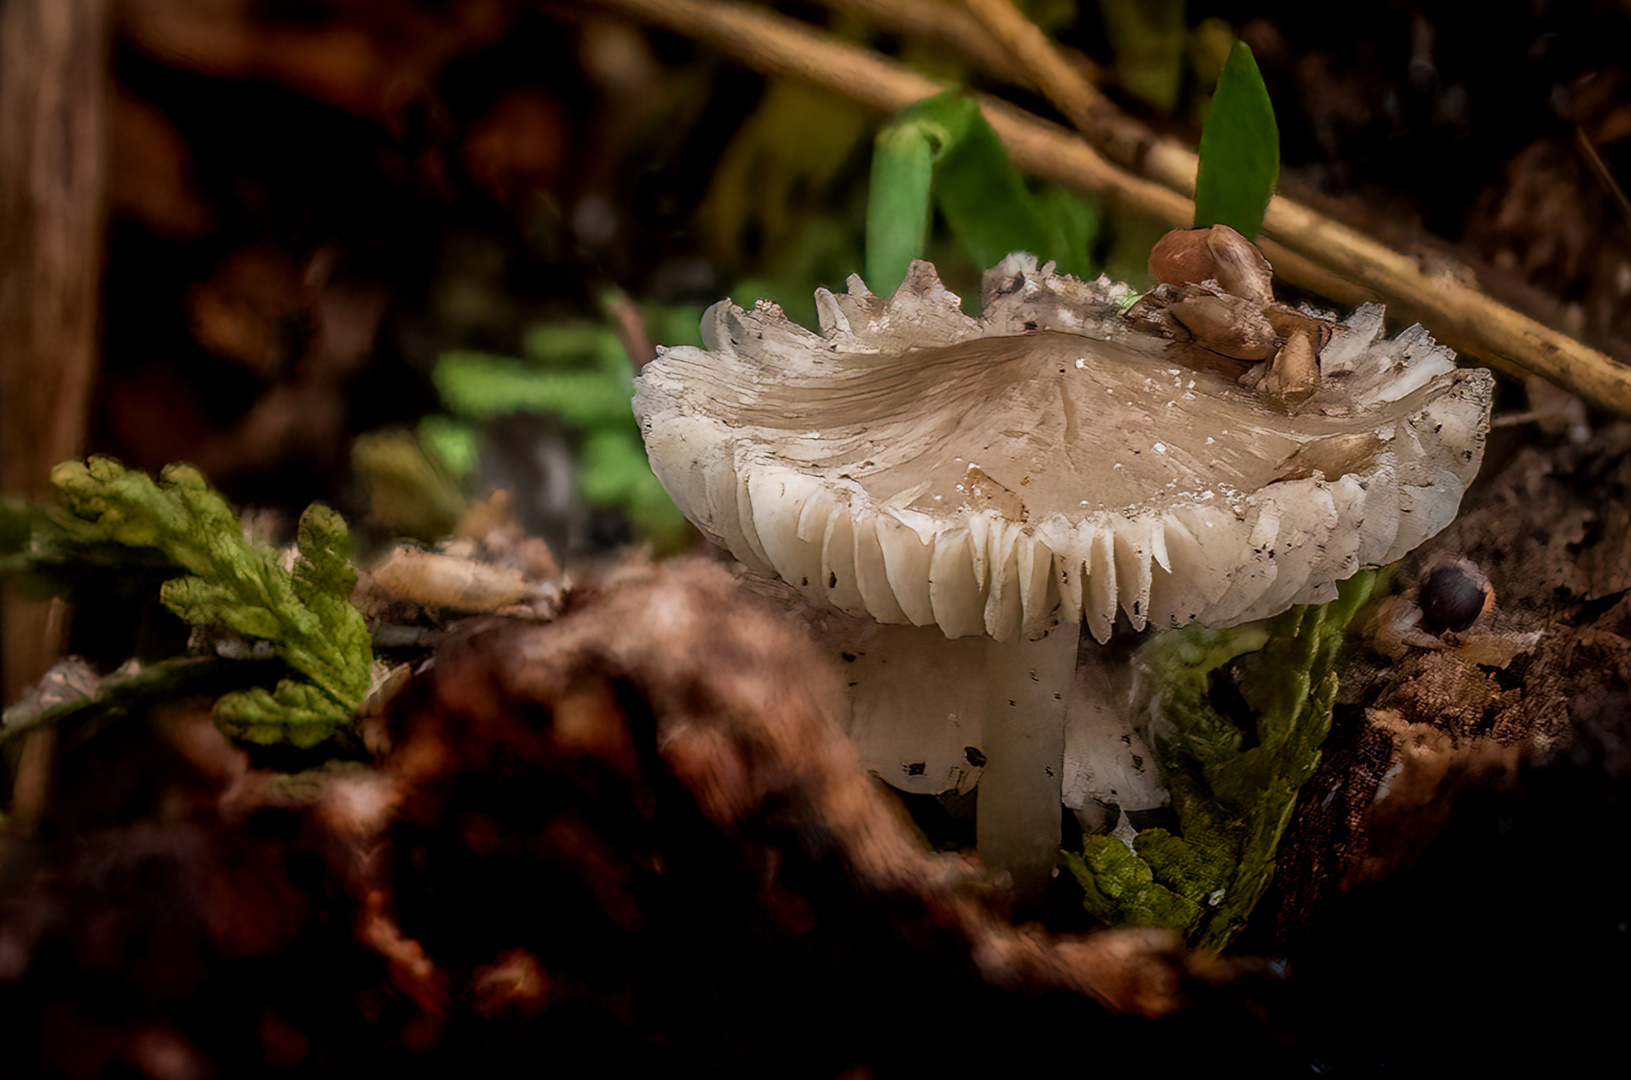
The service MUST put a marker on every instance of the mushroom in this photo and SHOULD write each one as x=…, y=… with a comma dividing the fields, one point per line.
x=975, y=490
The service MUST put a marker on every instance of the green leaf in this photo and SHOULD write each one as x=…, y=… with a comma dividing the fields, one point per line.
x=305, y=614
x=1240, y=149
x=1075, y=223
x=983, y=197
x=297, y=713
x=773, y=185
x=451, y=441
x=477, y=385
x=943, y=150
x=410, y=490
x=897, y=212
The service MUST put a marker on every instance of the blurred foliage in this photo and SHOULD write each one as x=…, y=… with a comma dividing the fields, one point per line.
x=789, y=153
x=783, y=214
x=410, y=490
x=1234, y=778
x=1240, y=149
x=580, y=372
x=1148, y=38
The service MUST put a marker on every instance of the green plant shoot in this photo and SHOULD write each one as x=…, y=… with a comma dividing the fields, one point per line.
x=941, y=153
x=1240, y=149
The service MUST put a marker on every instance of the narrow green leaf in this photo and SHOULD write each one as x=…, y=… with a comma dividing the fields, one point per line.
x=897, y=212
x=1240, y=149
x=943, y=150
x=983, y=197
x=1075, y=222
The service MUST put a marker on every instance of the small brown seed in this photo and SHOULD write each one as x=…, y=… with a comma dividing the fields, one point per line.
x=1191, y=256
x=1182, y=257
x=1294, y=373
x=1239, y=266
x=1227, y=324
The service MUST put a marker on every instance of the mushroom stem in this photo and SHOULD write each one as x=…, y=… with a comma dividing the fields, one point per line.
x=1023, y=737
x=933, y=714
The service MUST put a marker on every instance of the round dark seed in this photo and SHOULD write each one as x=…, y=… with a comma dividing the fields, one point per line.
x=1451, y=599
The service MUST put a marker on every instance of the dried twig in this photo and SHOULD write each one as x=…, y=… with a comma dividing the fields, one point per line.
x=630, y=327
x=1306, y=248
x=1123, y=139
x=1605, y=176
x=937, y=20
x=53, y=119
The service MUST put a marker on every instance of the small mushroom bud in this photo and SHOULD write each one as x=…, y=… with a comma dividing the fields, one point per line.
x=1294, y=373
x=1453, y=597
x=1182, y=257
x=1191, y=256
x=1241, y=267
x=1227, y=324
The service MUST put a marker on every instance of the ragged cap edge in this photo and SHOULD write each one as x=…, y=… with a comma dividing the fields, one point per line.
x=976, y=572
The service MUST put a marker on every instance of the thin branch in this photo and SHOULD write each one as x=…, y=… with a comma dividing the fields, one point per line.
x=777, y=45
x=947, y=23
x=629, y=326
x=1123, y=139
x=1305, y=247
x=1605, y=175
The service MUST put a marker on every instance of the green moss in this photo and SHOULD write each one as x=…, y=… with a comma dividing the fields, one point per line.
x=1233, y=795
x=1121, y=889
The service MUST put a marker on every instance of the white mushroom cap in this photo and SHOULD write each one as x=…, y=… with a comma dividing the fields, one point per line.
x=917, y=465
